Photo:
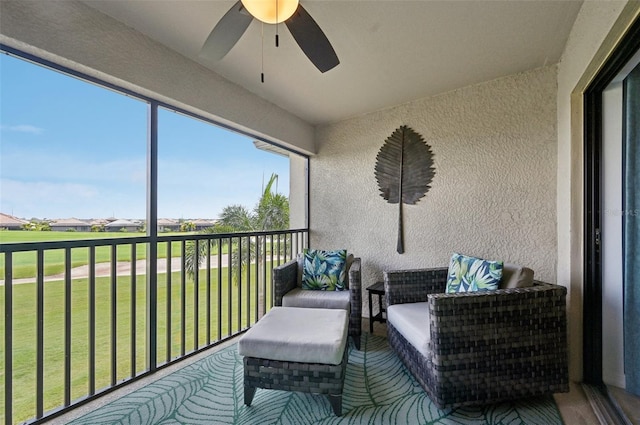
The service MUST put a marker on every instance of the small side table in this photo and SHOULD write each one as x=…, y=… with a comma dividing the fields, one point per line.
x=377, y=289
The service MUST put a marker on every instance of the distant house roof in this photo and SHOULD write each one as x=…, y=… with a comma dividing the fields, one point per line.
x=121, y=223
x=9, y=220
x=167, y=222
x=68, y=222
x=203, y=222
x=98, y=222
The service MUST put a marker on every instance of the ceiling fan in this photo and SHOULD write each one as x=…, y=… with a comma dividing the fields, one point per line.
x=303, y=28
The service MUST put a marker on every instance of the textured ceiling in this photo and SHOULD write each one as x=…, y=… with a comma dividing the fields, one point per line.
x=391, y=52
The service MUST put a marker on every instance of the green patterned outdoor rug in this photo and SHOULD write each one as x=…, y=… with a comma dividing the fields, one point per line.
x=377, y=390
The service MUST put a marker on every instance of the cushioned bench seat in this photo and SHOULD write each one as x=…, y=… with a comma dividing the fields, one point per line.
x=297, y=349
x=412, y=321
x=305, y=335
x=299, y=297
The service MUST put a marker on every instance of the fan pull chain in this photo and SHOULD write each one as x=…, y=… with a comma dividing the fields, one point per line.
x=262, y=54
x=277, y=25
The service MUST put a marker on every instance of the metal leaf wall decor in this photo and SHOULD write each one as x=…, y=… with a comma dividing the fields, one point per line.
x=404, y=171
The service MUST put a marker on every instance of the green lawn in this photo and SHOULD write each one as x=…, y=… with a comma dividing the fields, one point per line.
x=24, y=331
x=14, y=236
x=24, y=262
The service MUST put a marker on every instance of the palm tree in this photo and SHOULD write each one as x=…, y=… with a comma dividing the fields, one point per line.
x=271, y=213
x=237, y=218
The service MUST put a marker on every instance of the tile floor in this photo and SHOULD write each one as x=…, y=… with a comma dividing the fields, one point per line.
x=629, y=403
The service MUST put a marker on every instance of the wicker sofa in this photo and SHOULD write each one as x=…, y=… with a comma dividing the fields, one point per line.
x=479, y=347
x=288, y=292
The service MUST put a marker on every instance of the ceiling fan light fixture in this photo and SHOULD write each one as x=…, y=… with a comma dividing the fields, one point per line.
x=271, y=11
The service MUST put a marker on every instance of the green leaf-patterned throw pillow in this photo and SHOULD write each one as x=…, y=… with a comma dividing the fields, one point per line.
x=470, y=274
x=324, y=270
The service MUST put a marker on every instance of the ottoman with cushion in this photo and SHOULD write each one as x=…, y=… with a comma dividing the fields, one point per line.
x=297, y=349
x=289, y=290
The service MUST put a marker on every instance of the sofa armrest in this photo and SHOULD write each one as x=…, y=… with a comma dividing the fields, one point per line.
x=411, y=286
x=285, y=278
x=355, y=289
x=513, y=328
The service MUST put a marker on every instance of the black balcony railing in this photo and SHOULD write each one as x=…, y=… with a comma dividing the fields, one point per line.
x=122, y=308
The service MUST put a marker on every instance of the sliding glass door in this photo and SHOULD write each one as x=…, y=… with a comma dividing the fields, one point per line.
x=631, y=230
x=611, y=297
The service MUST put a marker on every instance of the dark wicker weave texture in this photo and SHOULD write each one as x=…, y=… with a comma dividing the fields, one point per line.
x=315, y=378
x=485, y=346
x=285, y=278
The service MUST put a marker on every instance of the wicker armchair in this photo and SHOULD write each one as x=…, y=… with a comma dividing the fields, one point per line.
x=286, y=278
x=484, y=347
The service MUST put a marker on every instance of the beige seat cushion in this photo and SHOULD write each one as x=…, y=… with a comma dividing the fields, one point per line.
x=305, y=298
x=514, y=276
x=412, y=321
x=305, y=335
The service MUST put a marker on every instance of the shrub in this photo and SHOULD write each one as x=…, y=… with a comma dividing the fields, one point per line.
x=97, y=228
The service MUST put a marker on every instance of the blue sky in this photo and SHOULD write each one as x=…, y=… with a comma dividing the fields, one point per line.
x=72, y=149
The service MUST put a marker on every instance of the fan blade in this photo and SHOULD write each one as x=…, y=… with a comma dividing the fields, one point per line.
x=226, y=33
x=312, y=40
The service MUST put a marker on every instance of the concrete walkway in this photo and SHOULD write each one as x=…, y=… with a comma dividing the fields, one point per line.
x=123, y=268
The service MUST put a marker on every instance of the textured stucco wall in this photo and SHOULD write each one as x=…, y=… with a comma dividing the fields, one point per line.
x=595, y=32
x=297, y=192
x=493, y=195
x=72, y=34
